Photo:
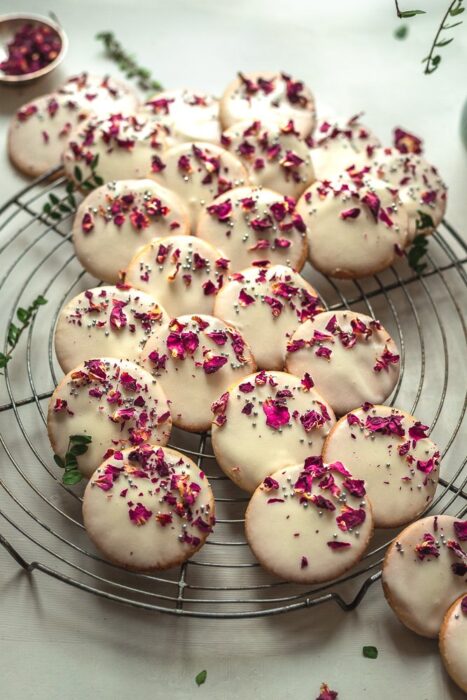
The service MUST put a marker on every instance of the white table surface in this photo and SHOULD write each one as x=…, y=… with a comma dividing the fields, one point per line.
x=57, y=642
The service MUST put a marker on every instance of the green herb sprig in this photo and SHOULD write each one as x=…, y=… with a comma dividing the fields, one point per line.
x=370, y=652
x=201, y=678
x=77, y=445
x=127, y=62
x=419, y=247
x=56, y=208
x=15, y=331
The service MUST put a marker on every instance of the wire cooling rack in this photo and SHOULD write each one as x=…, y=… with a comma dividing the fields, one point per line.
x=41, y=525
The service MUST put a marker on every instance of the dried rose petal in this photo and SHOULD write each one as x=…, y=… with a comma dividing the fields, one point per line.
x=139, y=515
x=356, y=487
x=270, y=484
x=350, y=518
x=307, y=382
x=427, y=547
x=405, y=142
x=277, y=414
x=460, y=528
x=213, y=363
x=87, y=223
x=350, y=213
x=335, y=544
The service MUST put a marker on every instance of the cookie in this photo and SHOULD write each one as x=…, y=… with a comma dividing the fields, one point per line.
x=267, y=305
x=274, y=155
x=310, y=522
x=453, y=641
x=267, y=96
x=191, y=116
x=350, y=357
x=391, y=451
x=183, y=272
x=355, y=228
x=116, y=402
x=265, y=422
x=126, y=146
x=254, y=226
x=107, y=322
x=199, y=172
x=195, y=359
x=116, y=219
x=337, y=145
x=424, y=572
x=148, y=507
x=102, y=94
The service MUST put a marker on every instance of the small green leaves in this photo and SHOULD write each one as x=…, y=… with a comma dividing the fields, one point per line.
x=77, y=173
x=417, y=251
x=201, y=678
x=24, y=316
x=406, y=14
x=424, y=220
x=127, y=63
x=54, y=208
x=370, y=652
x=77, y=445
x=401, y=32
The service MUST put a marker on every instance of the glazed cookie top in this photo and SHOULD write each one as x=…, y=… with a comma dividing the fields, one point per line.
x=355, y=227
x=274, y=155
x=102, y=94
x=107, y=322
x=265, y=422
x=114, y=401
x=268, y=96
x=254, y=226
x=39, y=131
x=453, y=641
x=337, y=145
x=195, y=359
x=350, y=357
x=199, y=172
x=191, y=116
x=127, y=146
x=116, y=219
x=391, y=451
x=310, y=522
x=183, y=272
x=425, y=571
x=148, y=507
x=267, y=305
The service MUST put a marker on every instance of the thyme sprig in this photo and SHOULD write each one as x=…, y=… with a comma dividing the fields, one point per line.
x=128, y=63
x=24, y=316
x=56, y=208
x=77, y=445
x=419, y=247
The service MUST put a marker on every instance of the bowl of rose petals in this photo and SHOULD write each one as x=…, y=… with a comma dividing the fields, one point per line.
x=30, y=47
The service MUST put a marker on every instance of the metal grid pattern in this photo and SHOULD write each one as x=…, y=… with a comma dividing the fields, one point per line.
x=423, y=313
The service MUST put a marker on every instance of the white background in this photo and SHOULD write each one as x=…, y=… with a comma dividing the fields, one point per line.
x=56, y=642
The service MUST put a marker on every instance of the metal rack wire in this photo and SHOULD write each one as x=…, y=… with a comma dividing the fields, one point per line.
x=43, y=517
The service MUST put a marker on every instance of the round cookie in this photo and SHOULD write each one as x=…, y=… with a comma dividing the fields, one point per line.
x=268, y=96
x=183, y=272
x=148, y=507
x=116, y=219
x=107, y=322
x=191, y=116
x=254, y=226
x=267, y=305
x=116, y=402
x=350, y=357
x=126, y=146
x=354, y=228
x=419, y=185
x=102, y=94
x=265, y=422
x=199, y=172
x=424, y=572
x=453, y=641
x=337, y=145
x=388, y=449
x=39, y=132
x=309, y=523
x=196, y=358
x=275, y=156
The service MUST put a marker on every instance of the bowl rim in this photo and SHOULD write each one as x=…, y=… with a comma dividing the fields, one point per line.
x=50, y=66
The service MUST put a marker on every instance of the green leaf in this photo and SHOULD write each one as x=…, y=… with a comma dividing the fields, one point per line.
x=456, y=11
x=55, y=215
x=40, y=300
x=81, y=439
x=98, y=180
x=46, y=208
x=72, y=477
x=401, y=32
x=78, y=449
x=370, y=652
x=411, y=13
x=78, y=174
x=23, y=315
x=87, y=185
x=53, y=198
x=4, y=359
x=70, y=187
x=59, y=461
x=70, y=460
x=94, y=162
x=13, y=334
x=424, y=221
x=63, y=207
x=201, y=678
x=444, y=42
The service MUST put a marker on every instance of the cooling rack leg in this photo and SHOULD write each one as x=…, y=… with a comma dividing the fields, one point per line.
x=12, y=551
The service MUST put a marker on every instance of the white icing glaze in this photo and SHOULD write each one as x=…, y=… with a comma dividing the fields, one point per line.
x=187, y=355
x=190, y=115
x=267, y=305
x=109, y=415
x=421, y=590
x=399, y=486
x=290, y=535
x=100, y=94
x=252, y=224
x=350, y=357
x=128, y=146
x=199, y=172
x=116, y=219
x=275, y=157
x=106, y=322
x=183, y=272
x=249, y=444
x=453, y=642
x=151, y=508
x=268, y=96
x=344, y=243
